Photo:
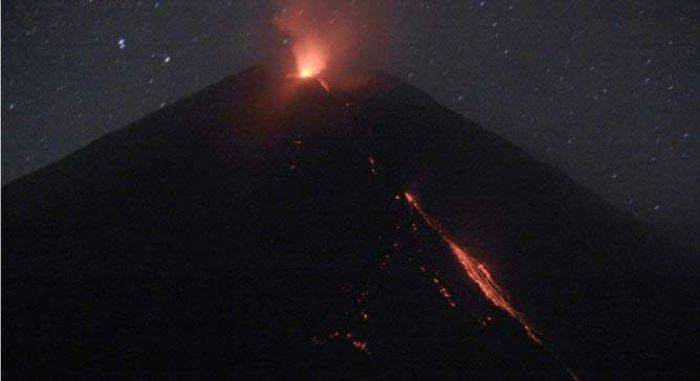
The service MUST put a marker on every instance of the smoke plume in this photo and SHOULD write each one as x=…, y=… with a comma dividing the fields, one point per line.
x=334, y=36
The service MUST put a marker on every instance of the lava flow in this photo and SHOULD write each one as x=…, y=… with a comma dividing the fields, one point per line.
x=477, y=272
x=483, y=279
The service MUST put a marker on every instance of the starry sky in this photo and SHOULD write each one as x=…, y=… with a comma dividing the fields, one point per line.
x=605, y=90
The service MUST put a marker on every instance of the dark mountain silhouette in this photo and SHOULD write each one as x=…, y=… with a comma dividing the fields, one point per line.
x=263, y=227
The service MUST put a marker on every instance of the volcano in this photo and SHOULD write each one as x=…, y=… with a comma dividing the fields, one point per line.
x=276, y=226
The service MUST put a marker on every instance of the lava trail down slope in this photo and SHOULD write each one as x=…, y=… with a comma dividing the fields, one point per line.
x=281, y=226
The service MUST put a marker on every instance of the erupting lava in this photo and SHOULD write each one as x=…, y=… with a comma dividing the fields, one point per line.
x=477, y=272
x=310, y=58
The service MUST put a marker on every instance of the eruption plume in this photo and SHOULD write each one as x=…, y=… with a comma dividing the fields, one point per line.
x=310, y=58
x=331, y=34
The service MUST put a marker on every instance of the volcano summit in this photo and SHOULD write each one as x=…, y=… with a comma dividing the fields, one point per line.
x=283, y=226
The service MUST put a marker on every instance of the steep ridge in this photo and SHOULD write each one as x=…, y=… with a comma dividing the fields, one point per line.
x=269, y=225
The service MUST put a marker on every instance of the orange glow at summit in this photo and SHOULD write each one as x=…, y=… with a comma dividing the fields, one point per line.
x=310, y=59
x=325, y=38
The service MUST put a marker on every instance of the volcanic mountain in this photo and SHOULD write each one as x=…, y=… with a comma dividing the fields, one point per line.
x=290, y=227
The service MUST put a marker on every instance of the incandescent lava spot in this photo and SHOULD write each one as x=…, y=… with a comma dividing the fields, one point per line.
x=311, y=58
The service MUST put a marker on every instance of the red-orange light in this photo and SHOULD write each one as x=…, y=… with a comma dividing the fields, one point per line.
x=310, y=57
x=477, y=272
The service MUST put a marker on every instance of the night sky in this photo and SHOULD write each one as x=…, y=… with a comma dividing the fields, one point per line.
x=607, y=91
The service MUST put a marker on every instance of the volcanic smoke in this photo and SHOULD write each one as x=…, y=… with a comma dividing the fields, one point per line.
x=325, y=34
x=310, y=58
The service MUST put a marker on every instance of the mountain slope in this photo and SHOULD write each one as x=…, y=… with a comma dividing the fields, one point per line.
x=262, y=226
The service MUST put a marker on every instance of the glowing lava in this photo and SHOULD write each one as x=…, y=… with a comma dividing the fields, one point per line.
x=310, y=57
x=477, y=272
x=483, y=279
